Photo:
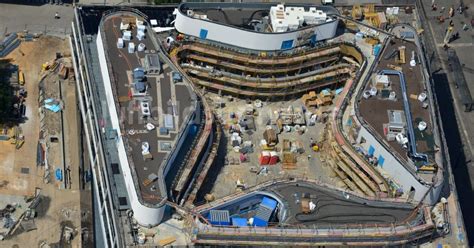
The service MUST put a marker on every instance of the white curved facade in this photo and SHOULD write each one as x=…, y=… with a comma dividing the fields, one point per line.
x=144, y=215
x=248, y=39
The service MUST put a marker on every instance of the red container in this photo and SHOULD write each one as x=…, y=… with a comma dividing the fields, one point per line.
x=264, y=158
x=273, y=158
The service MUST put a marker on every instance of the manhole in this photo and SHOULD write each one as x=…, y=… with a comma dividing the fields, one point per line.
x=25, y=170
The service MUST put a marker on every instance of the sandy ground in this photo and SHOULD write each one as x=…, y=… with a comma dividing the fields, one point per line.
x=58, y=205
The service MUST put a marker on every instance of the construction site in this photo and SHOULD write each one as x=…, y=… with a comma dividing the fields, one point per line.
x=261, y=124
x=41, y=197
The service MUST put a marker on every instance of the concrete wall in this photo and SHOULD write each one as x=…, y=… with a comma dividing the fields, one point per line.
x=248, y=39
x=144, y=215
x=397, y=171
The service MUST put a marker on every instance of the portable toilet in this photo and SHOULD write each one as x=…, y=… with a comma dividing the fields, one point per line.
x=120, y=43
x=131, y=47
x=273, y=158
x=264, y=158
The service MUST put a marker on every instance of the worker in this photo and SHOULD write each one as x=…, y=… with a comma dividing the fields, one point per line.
x=442, y=9
x=451, y=23
x=451, y=12
x=461, y=8
x=56, y=15
x=309, y=157
x=434, y=7
x=311, y=142
x=465, y=27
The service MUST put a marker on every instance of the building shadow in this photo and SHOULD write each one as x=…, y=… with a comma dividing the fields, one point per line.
x=456, y=151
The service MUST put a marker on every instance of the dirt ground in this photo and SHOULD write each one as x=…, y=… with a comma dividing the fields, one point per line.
x=58, y=206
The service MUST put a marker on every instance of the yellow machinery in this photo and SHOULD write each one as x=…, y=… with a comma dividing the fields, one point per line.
x=356, y=12
x=21, y=77
x=430, y=168
x=45, y=66
x=15, y=137
x=373, y=19
x=398, y=68
x=369, y=9
x=315, y=148
x=401, y=55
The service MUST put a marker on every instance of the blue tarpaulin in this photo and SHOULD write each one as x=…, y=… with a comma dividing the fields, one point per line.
x=55, y=107
x=269, y=203
x=59, y=174
x=239, y=221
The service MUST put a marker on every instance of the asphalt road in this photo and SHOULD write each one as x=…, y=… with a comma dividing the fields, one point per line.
x=458, y=125
x=36, y=19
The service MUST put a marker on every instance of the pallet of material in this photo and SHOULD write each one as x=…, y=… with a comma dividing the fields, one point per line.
x=305, y=206
x=289, y=161
x=123, y=99
x=166, y=241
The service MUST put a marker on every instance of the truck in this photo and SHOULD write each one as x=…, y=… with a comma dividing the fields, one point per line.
x=327, y=2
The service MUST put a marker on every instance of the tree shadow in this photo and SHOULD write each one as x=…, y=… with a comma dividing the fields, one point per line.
x=12, y=108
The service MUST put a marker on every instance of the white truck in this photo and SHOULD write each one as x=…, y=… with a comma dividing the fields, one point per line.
x=327, y=2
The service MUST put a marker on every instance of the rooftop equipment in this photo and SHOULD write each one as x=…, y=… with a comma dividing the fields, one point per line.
x=219, y=217
x=291, y=18
x=131, y=47
x=120, y=43
x=145, y=109
x=139, y=74
x=264, y=212
x=152, y=63
x=141, y=47
x=140, y=35
x=422, y=126
x=127, y=35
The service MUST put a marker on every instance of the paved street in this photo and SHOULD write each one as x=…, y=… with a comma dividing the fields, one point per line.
x=458, y=125
x=16, y=18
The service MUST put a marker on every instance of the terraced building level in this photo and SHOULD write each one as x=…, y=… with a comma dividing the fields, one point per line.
x=268, y=74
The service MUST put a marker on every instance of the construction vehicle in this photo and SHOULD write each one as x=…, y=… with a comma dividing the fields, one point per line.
x=16, y=137
x=327, y=2
x=45, y=66
x=21, y=78
x=430, y=168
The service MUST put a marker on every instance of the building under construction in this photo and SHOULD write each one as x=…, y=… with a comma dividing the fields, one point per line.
x=232, y=114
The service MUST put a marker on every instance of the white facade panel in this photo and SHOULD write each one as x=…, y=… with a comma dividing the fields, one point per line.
x=248, y=39
x=398, y=172
x=144, y=215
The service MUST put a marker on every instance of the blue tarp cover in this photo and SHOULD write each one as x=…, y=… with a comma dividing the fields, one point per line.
x=259, y=222
x=59, y=174
x=269, y=203
x=239, y=221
